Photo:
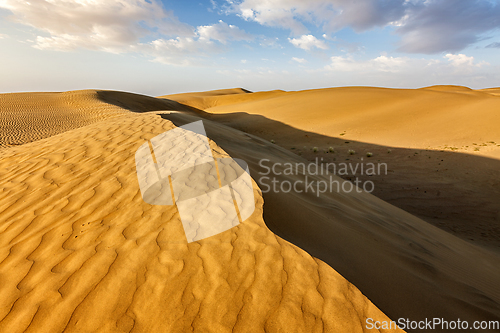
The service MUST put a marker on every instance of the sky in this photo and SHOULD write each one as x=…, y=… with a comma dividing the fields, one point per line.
x=158, y=47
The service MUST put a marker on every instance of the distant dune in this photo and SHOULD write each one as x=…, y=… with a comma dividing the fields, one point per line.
x=26, y=117
x=441, y=146
x=81, y=252
x=444, y=143
x=432, y=117
x=209, y=99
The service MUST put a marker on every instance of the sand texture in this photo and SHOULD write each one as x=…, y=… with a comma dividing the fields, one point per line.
x=27, y=117
x=440, y=144
x=80, y=251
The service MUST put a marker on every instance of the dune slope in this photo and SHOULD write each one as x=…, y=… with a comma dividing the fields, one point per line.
x=209, y=99
x=27, y=117
x=407, y=267
x=441, y=145
x=389, y=254
x=81, y=252
x=412, y=118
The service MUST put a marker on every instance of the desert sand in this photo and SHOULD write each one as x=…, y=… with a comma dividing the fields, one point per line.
x=403, y=264
x=444, y=143
x=80, y=251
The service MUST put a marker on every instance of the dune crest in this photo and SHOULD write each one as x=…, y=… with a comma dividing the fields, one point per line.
x=390, y=255
x=391, y=117
x=80, y=251
x=209, y=99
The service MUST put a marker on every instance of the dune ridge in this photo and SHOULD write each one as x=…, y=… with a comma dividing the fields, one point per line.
x=209, y=99
x=80, y=250
x=441, y=145
x=391, y=117
x=407, y=267
x=387, y=253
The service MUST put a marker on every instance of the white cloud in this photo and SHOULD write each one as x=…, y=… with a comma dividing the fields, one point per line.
x=214, y=6
x=270, y=42
x=111, y=25
x=307, y=42
x=222, y=32
x=191, y=51
x=63, y=42
x=382, y=64
x=299, y=60
x=270, y=13
x=180, y=51
x=325, y=36
x=461, y=60
x=120, y=26
x=2, y=36
x=389, y=64
x=425, y=26
x=331, y=14
x=408, y=71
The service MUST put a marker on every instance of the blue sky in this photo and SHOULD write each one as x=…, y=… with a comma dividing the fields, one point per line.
x=156, y=48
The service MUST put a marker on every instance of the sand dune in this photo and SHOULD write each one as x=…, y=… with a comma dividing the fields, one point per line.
x=444, y=144
x=407, y=267
x=492, y=91
x=27, y=117
x=391, y=256
x=81, y=252
x=457, y=117
x=208, y=99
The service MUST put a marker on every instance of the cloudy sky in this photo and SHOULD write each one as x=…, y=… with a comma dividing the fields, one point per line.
x=158, y=47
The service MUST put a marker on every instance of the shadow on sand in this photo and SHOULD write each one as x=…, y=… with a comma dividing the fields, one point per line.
x=405, y=266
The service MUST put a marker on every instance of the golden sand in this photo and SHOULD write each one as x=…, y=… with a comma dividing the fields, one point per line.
x=81, y=252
